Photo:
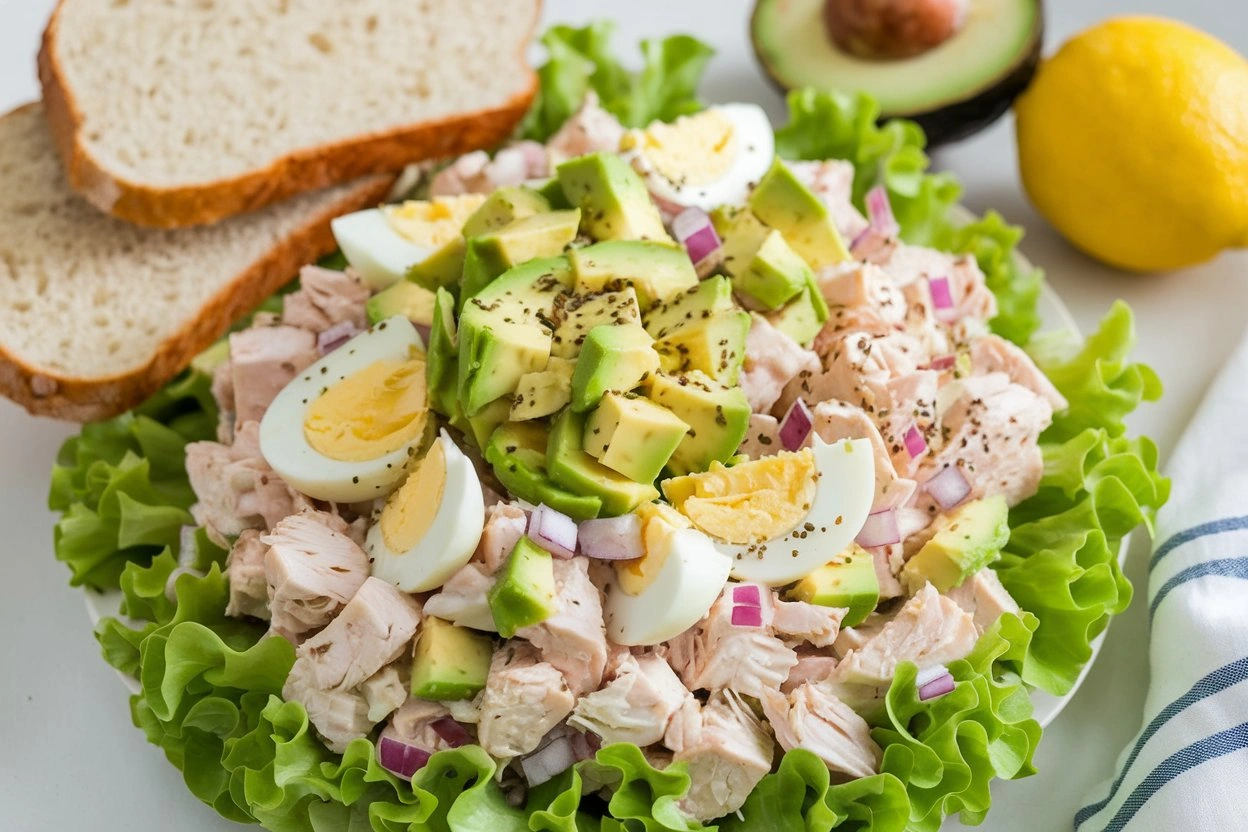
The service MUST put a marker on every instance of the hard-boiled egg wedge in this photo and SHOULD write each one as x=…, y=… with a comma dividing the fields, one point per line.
x=781, y=517
x=431, y=525
x=668, y=590
x=705, y=160
x=383, y=243
x=348, y=428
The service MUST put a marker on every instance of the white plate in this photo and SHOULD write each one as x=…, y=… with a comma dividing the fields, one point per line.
x=1055, y=316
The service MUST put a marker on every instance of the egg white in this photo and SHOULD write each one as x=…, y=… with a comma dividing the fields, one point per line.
x=451, y=538
x=380, y=254
x=692, y=576
x=755, y=150
x=286, y=448
x=845, y=490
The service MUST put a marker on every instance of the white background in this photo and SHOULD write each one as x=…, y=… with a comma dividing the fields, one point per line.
x=69, y=758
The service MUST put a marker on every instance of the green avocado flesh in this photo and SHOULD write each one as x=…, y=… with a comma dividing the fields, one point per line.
x=966, y=540
x=524, y=593
x=449, y=662
x=578, y=348
x=998, y=36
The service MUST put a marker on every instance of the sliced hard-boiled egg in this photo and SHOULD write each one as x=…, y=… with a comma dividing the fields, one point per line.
x=705, y=160
x=782, y=517
x=383, y=243
x=429, y=528
x=660, y=595
x=349, y=427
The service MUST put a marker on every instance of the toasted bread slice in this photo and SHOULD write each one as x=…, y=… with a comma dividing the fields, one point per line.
x=97, y=314
x=185, y=112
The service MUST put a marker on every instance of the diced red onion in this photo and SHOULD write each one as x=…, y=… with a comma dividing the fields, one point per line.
x=424, y=331
x=549, y=762
x=942, y=298
x=400, y=758
x=585, y=745
x=553, y=531
x=948, y=488
x=879, y=530
x=612, y=538
x=331, y=339
x=933, y=682
x=880, y=212
x=796, y=425
x=915, y=443
x=929, y=674
x=747, y=595
x=943, y=362
x=747, y=617
x=451, y=732
x=693, y=229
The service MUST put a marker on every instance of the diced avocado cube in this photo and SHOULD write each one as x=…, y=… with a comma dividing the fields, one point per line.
x=504, y=206
x=633, y=435
x=505, y=331
x=802, y=318
x=441, y=357
x=965, y=541
x=517, y=453
x=715, y=345
x=442, y=268
x=581, y=313
x=775, y=274
x=614, y=202
x=552, y=189
x=522, y=240
x=761, y=263
x=482, y=424
x=718, y=418
x=543, y=393
x=701, y=301
x=496, y=356
x=848, y=581
x=656, y=270
x=615, y=358
x=449, y=662
x=403, y=298
x=784, y=203
x=577, y=471
x=524, y=593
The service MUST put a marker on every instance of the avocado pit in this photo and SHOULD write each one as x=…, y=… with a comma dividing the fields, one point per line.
x=892, y=29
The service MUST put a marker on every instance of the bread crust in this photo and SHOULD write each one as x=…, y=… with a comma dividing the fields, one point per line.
x=45, y=393
x=302, y=170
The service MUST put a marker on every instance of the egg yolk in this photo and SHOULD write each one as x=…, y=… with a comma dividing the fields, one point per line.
x=434, y=222
x=411, y=509
x=658, y=524
x=751, y=502
x=370, y=413
x=693, y=150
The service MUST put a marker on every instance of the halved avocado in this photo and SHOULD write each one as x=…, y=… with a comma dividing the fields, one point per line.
x=954, y=66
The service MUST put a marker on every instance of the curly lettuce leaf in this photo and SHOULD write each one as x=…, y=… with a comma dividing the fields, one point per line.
x=580, y=60
x=832, y=125
x=121, y=485
x=947, y=750
x=799, y=797
x=1061, y=562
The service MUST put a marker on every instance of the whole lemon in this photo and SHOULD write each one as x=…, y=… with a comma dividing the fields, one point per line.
x=1133, y=143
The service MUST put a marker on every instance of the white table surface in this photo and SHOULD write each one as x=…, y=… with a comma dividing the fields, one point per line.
x=70, y=757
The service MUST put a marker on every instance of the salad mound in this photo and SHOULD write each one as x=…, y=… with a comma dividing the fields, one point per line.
x=657, y=471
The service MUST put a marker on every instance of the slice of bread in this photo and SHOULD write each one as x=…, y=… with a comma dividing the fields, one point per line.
x=97, y=314
x=184, y=112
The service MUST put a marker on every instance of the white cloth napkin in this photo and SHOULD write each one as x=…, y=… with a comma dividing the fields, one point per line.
x=1187, y=769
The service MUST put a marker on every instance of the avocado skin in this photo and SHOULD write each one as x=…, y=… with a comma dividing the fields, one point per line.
x=956, y=121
